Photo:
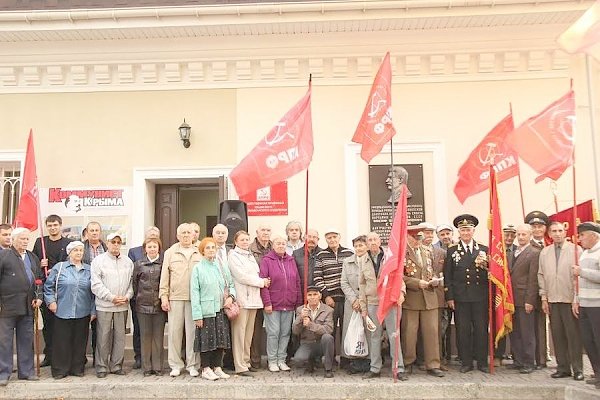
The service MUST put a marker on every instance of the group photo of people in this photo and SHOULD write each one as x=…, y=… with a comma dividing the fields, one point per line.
x=276, y=302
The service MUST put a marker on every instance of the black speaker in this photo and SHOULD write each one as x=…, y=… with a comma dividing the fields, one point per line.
x=234, y=215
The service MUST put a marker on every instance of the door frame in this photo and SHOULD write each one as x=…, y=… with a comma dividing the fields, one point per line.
x=144, y=181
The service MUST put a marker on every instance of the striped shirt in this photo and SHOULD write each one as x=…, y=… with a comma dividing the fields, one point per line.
x=328, y=271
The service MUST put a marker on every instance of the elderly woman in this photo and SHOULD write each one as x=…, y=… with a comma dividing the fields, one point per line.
x=211, y=290
x=349, y=283
x=146, y=281
x=248, y=283
x=68, y=294
x=280, y=300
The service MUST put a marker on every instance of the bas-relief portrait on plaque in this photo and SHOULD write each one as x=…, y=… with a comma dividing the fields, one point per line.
x=384, y=190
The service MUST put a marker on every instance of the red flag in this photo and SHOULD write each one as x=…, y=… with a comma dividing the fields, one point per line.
x=389, y=285
x=504, y=305
x=27, y=213
x=286, y=150
x=584, y=34
x=473, y=175
x=375, y=127
x=545, y=141
x=585, y=212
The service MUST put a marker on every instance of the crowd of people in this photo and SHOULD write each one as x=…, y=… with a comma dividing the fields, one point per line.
x=224, y=302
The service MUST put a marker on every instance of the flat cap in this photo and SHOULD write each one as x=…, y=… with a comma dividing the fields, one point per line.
x=588, y=226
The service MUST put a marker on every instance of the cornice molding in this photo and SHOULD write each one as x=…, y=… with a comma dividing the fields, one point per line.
x=280, y=71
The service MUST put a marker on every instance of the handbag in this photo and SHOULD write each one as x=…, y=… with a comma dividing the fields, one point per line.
x=233, y=310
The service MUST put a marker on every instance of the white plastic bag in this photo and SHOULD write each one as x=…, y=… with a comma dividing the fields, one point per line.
x=355, y=342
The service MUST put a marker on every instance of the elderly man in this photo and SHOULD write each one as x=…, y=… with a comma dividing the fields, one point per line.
x=444, y=233
x=19, y=297
x=293, y=230
x=539, y=224
x=135, y=254
x=5, y=231
x=111, y=279
x=420, y=308
x=55, y=251
x=369, y=302
x=312, y=244
x=555, y=280
x=523, y=276
x=465, y=277
x=259, y=248
x=93, y=246
x=314, y=325
x=587, y=303
x=174, y=293
x=328, y=276
x=375, y=252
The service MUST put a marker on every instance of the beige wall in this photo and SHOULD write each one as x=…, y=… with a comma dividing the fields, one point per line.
x=96, y=139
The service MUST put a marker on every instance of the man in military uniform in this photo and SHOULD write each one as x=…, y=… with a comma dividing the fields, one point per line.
x=466, y=280
x=420, y=307
x=539, y=224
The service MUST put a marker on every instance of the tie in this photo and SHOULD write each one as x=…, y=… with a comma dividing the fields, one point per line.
x=557, y=253
x=220, y=257
x=418, y=257
x=469, y=252
x=509, y=258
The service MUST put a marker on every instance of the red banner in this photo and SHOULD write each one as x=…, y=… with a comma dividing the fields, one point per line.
x=28, y=212
x=585, y=212
x=473, y=175
x=389, y=285
x=375, y=127
x=545, y=141
x=504, y=305
x=286, y=150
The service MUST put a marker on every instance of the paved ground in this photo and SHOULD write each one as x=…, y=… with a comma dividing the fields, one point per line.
x=505, y=384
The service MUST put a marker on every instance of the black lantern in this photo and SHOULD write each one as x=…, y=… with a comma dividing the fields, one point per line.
x=184, y=133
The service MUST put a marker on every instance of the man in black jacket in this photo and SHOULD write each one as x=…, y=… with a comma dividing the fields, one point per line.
x=19, y=297
x=465, y=277
x=53, y=252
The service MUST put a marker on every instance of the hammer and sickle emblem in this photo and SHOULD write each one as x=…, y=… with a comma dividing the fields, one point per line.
x=488, y=155
x=279, y=135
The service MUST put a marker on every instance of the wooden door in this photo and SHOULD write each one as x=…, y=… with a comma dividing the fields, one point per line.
x=167, y=213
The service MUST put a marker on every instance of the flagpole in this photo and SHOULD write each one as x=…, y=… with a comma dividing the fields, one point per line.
x=575, y=255
x=490, y=309
x=393, y=176
x=306, y=261
x=521, y=191
x=592, y=109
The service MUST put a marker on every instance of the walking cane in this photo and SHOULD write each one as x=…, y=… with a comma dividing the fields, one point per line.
x=37, y=339
x=36, y=332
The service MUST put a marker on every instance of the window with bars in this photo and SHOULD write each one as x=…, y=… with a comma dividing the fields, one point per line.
x=10, y=178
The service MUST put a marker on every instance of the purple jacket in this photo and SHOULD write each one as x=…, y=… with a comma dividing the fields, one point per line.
x=284, y=294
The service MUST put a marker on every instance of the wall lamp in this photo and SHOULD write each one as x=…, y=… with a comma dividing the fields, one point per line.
x=184, y=133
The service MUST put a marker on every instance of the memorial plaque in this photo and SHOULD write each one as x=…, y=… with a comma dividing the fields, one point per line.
x=384, y=190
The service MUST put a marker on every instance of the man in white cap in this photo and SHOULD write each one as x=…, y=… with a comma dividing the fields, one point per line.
x=20, y=296
x=444, y=234
x=328, y=276
x=112, y=285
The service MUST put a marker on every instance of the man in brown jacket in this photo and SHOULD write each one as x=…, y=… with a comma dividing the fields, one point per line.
x=420, y=308
x=314, y=325
x=523, y=274
x=555, y=280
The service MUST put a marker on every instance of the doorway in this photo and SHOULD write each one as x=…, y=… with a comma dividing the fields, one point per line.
x=179, y=203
